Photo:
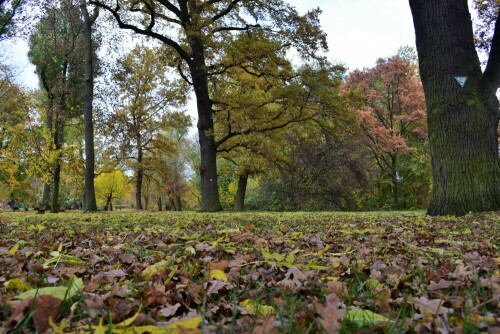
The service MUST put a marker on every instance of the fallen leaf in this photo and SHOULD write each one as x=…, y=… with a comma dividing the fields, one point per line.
x=74, y=287
x=293, y=278
x=222, y=265
x=267, y=327
x=331, y=313
x=46, y=308
x=169, y=310
x=442, y=284
x=256, y=308
x=218, y=274
x=365, y=317
x=154, y=269
x=16, y=284
x=115, y=273
x=187, y=323
x=215, y=286
x=428, y=307
x=13, y=249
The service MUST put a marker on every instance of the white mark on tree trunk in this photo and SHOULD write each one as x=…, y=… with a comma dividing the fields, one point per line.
x=461, y=81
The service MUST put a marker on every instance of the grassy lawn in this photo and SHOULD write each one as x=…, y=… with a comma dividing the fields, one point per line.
x=249, y=273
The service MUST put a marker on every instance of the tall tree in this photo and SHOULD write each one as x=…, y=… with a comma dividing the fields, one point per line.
x=88, y=98
x=55, y=50
x=146, y=94
x=196, y=31
x=462, y=107
x=14, y=116
x=391, y=112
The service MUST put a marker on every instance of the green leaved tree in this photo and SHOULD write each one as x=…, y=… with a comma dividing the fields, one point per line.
x=197, y=32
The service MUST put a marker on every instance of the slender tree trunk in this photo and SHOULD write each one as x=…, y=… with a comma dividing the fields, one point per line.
x=139, y=176
x=160, y=204
x=50, y=124
x=58, y=140
x=394, y=183
x=45, y=197
x=88, y=97
x=208, y=150
x=462, y=120
x=239, y=201
x=146, y=202
x=177, y=203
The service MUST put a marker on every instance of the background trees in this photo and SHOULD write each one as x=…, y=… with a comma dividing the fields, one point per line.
x=55, y=50
x=391, y=113
x=299, y=135
x=142, y=116
x=203, y=30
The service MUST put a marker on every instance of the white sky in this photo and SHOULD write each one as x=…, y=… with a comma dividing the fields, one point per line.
x=359, y=32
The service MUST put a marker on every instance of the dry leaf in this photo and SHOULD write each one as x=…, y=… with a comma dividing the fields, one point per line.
x=331, y=313
x=429, y=307
x=46, y=307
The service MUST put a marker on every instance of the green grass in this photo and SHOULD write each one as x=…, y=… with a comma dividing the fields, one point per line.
x=394, y=264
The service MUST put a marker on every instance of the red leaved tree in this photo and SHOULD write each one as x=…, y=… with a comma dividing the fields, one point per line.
x=390, y=105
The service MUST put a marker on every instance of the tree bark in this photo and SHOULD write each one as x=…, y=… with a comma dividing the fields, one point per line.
x=45, y=197
x=88, y=97
x=177, y=203
x=394, y=181
x=139, y=176
x=160, y=204
x=49, y=122
x=462, y=121
x=58, y=140
x=208, y=149
x=239, y=200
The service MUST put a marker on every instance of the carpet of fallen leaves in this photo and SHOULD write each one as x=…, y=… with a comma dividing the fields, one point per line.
x=249, y=273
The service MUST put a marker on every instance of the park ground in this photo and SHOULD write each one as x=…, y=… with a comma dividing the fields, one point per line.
x=129, y=272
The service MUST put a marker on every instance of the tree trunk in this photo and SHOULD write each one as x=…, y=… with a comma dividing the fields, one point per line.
x=146, y=202
x=160, y=204
x=394, y=183
x=50, y=124
x=58, y=140
x=239, y=200
x=177, y=203
x=88, y=97
x=462, y=120
x=46, y=197
x=208, y=150
x=139, y=176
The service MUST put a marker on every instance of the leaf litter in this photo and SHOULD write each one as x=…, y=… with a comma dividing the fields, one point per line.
x=249, y=273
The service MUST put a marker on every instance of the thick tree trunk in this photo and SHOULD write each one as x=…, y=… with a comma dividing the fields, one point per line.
x=239, y=200
x=208, y=150
x=88, y=97
x=462, y=120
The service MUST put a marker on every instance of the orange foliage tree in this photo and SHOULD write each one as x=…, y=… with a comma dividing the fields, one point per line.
x=390, y=106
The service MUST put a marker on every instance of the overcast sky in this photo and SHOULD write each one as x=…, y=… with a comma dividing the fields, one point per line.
x=359, y=32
